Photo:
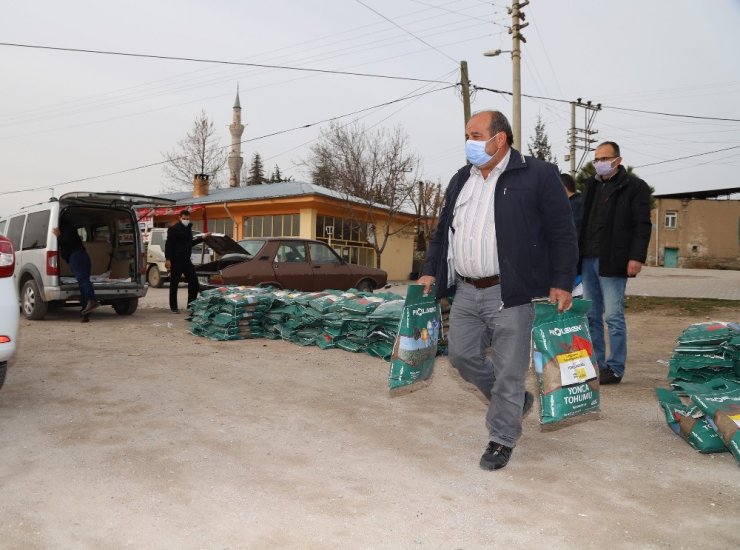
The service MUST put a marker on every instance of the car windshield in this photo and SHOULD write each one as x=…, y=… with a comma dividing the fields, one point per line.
x=252, y=246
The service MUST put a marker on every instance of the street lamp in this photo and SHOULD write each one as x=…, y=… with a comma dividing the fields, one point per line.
x=516, y=119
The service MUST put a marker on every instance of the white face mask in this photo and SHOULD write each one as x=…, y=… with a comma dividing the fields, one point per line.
x=603, y=167
x=185, y=222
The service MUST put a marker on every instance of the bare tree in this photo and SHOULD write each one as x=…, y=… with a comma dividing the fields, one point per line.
x=427, y=201
x=375, y=173
x=198, y=152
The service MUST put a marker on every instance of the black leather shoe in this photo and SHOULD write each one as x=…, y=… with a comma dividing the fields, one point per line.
x=607, y=376
x=175, y=310
x=496, y=456
x=91, y=304
x=528, y=402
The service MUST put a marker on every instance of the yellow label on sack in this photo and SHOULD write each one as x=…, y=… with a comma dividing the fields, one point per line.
x=575, y=367
x=736, y=419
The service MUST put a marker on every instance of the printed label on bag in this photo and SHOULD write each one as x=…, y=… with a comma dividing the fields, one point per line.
x=736, y=419
x=575, y=367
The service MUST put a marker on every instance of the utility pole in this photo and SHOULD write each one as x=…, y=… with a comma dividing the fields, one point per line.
x=586, y=132
x=516, y=57
x=572, y=140
x=465, y=83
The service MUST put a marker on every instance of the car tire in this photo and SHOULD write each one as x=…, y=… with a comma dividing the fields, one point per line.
x=366, y=285
x=33, y=305
x=126, y=306
x=154, y=277
x=3, y=370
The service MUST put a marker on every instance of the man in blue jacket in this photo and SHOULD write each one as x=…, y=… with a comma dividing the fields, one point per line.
x=505, y=236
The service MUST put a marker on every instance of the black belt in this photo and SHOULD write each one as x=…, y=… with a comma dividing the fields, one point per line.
x=483, y=282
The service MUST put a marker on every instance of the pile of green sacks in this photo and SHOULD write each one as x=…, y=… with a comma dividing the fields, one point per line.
x=353, y=320
x=703, y=404
x=230, y=313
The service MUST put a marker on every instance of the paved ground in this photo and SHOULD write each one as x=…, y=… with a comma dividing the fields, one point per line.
x=128, y=432
x=674, y=283
x=686, y=283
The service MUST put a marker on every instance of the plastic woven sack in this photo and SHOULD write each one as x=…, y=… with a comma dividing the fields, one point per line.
x=564, y=362
x=689, y=422
x=723, y=412
x=712, y=332
x=415, y=347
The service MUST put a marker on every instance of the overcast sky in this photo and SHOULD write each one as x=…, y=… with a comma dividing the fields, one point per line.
x=66, y=116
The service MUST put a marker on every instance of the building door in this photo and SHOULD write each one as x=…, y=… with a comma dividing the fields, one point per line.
x=670, y=257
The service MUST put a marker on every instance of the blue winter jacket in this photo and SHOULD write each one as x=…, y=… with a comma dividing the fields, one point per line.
x=535, y=235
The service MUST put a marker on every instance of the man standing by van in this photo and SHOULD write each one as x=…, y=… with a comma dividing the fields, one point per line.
x=73, y=252
x=177, y=252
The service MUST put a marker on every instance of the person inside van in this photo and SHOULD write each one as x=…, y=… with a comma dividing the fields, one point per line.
x=73, y=252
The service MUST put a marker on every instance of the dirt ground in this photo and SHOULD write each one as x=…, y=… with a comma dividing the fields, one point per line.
x=128, y=432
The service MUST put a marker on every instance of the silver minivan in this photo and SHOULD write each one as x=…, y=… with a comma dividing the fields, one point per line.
x=109, y=229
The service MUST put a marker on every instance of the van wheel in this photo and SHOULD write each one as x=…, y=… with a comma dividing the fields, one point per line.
x=126, y=306
x=366, y=286
x=154, y=277
x=3, y=370
x=33, y=304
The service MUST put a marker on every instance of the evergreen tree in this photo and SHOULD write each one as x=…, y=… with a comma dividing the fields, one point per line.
x=276, y=176
x=539, y=145
x=256, y=175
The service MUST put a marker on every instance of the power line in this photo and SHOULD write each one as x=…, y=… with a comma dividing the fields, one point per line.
x=699, y=117
x=272, y=134
x=217, y=62
x=321, y=44
x=672, y=114
x=689, y=156
x=376, y=12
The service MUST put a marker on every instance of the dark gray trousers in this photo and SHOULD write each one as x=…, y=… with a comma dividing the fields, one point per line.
x=477, y=321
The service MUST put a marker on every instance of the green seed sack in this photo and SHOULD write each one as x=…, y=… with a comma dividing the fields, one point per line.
x=689, y=422
x=564, y=362
x=723, y=412
x=415, y=347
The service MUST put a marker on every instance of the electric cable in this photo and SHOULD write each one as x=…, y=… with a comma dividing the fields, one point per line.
x=271, y=134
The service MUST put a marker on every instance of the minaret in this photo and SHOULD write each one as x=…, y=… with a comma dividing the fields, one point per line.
x=235, y=156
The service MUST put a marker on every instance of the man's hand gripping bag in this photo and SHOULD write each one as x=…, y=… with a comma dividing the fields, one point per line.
x=564, y=361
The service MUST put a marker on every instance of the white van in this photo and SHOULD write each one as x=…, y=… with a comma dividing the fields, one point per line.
x=109, y=230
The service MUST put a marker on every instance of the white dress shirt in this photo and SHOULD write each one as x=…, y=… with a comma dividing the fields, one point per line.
x=473, y=249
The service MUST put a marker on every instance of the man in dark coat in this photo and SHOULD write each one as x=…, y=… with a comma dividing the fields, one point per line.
x=505, y=236
x=575, y=198
x=177, y=250
x=615, y=233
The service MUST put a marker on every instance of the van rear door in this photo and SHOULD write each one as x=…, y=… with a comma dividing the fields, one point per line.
x=111, y=199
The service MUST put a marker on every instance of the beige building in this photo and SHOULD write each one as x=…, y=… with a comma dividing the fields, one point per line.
x=302, y=210
x=696, y=230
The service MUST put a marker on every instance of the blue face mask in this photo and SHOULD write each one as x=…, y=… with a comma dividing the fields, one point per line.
x=475, y=151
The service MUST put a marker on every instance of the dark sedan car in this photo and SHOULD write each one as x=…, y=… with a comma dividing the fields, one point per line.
x=285, y=262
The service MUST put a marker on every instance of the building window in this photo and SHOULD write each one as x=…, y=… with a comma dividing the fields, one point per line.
x=345, y=237
x=221, y=225
x=671, y=219
x=286, y=225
